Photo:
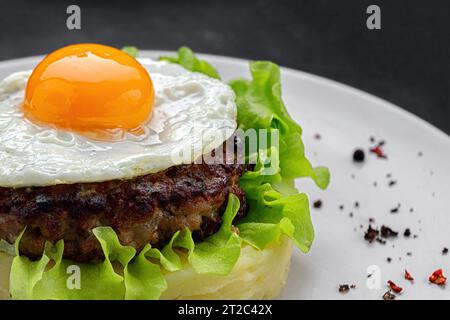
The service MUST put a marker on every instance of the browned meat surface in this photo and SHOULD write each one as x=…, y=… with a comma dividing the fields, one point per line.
x=147, y=209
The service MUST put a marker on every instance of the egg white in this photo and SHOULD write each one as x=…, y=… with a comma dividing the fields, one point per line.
x=188, y=107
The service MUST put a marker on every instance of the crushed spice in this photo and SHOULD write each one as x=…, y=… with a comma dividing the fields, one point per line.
x=378, y=152
x=408, y=276
x=394, y=287
x=371, y=234
x=437, y=277
x=407, y=233
x=317, y=204
x=344, y=288
x=387, y=232
x=392, y=183
x=359, y=155
x=388, y=295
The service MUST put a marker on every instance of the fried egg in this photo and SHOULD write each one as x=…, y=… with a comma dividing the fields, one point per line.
x=91, y=113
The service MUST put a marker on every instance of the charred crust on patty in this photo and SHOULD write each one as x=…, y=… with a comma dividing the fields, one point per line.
x=146, y=209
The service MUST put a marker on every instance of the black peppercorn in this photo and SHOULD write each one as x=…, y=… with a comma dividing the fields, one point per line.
x=358, y=155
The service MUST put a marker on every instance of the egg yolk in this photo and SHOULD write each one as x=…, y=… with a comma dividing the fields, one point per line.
x=89, y=87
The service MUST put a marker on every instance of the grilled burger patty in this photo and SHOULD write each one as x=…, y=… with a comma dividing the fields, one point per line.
x=147, y=209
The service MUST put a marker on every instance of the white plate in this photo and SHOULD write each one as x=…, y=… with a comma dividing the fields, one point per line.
x=346, y=118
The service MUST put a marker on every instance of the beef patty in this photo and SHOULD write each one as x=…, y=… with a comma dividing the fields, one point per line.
x=147, y=209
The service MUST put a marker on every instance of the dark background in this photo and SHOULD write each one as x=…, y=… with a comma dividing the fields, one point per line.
x=406, y=62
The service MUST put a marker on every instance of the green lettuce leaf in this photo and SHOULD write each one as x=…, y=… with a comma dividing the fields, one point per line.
x=288, y=215
x=189, y=61
x=65, y=279
x=25, y=273
x=168, y=257
x=7, y=248
x=260, y=235
x=276, y=207
x=71, y=280
x=260, y=107
x=143, y=279
x=217, y=254
x=132, y=51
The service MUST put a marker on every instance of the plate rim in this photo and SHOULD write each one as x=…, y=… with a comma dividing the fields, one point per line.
x=303, y=75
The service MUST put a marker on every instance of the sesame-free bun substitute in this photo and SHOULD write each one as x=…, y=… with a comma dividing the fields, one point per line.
x=256, y=275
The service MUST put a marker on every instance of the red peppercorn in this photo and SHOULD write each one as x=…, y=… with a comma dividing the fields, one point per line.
x=408, y=276
x=395, y=287
x=437, y=277
x=380, y=153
